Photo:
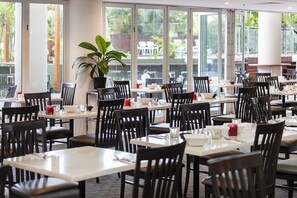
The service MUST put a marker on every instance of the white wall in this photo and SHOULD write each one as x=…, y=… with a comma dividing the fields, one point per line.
x=84, y=25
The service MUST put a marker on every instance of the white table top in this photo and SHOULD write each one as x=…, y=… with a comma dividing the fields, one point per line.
x=162, y=106
x=283, y=93
x=22, y=100
x=229, y=85
x=243, y=139
x=147, y=90
x=216, y=100
x=76, y=164
x=64, y=115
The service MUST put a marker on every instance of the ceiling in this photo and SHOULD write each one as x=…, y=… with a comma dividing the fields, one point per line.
x=285, y=6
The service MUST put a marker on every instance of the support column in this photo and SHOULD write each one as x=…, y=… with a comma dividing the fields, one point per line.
x=81, y=29
x=269, y=42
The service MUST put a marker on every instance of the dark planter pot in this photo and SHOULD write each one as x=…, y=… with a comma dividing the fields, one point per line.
x=99, y=82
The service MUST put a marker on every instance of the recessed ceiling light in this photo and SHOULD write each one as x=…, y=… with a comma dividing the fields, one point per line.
x=227, y=3
x=290, y=8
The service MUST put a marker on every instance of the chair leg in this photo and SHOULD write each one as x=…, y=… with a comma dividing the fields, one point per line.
x=51, y=145
x=97, y=180
x=207, y=191
x=188, y=167
x=290, y=184
x=123, y=178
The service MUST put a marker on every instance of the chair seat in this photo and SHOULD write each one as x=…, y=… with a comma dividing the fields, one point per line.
x=89, y=140
x=42, y=187
x=288, y=143
x=288, y=166
x=220, y=120
x=83, y=140
x=56, y=132
x=160, y=128
x=221, y=154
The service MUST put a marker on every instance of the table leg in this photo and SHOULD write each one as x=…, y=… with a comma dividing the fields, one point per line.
x=196, y=177
x=71, y=125
x=283, y=100
x=82, y=188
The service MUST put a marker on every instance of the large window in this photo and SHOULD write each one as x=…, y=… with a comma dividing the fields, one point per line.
x=206, y=37
x=178, y=39
x=150, y=48
x=119, y=32
x=45, y=47
x=164, y=44
x=10, y=45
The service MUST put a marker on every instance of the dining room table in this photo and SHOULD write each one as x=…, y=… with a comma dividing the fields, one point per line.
x=244, y=139
x=147, y=90
x=283, y=93
x=76, y=164
x=21, y=100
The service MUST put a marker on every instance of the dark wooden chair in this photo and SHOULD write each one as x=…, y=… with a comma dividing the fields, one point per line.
x=238, y=176
x=197, y=116
x=4, y=171
x=132, y=123
x=170, y=89
x=262, y=89
x=42, y=99
x=243, y=108
x=262, y=109
x=67, y=95
x=201, y=84
x=261, y=77
x=124, y=88
x=287, y=170
x=105, y=135
x=267, y=140
x=175, y=113
x=163, y=171
x=19, y=114
x=24, y=137
x=108, y=93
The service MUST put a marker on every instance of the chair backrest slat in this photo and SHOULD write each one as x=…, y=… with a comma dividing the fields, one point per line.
x=243, y=109
x=262, y=109
x=195, y=116
x=237, y=176
x=41, y=99
x=163, y=171
x=170, y=89
x=132, y=123
x=67, y=93
x=177, y=100
x=18, y=114
x=108, y=93
x=124, y=88
x=106, y=135
x=201, y=84
x=267, y=140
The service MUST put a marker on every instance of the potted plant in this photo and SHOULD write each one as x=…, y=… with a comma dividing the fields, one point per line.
x=97, y=61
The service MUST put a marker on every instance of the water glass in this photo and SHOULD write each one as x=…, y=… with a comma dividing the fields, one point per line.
x=83, y=108
x=174, y=132
x=222, y=95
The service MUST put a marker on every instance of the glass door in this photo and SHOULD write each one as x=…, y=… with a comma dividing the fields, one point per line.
x=119, y=31
x=46, y=48
x=150, y=45
x=10, y=46
x=178, y=50
x=206, y=44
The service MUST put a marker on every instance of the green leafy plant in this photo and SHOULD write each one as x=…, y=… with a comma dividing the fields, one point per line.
x=98, y=60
